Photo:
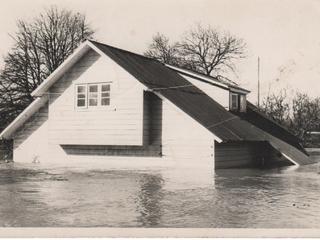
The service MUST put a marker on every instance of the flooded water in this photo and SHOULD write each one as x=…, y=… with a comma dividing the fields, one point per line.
x=278, y=198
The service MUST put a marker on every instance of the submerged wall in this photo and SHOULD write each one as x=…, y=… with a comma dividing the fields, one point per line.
x=248, y=155
x=238, y=155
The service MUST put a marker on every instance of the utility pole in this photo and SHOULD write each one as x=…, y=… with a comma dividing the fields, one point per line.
x=258, y=81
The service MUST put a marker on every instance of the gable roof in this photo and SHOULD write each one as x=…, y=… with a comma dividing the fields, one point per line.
x=23, y=117
x=190, y=99
x=170, y=84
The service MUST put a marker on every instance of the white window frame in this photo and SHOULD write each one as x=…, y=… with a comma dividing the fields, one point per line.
x=86, y=96
x=100, y=94
x=99, y=97
x=231, y=101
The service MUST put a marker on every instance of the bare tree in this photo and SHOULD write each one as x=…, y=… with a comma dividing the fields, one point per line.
x=277, y=107
x=40, y=47
x=210, y=50
x=162, y=50
x=205, y=50
x=305, y=114
x=300, y=115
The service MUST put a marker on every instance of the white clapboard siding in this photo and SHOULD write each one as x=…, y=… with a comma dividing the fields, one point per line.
x=218, y=94
x=118, y=124
x=233, y=155
x=154, y=128
x=247, y=154
x=184, y=140
x=30, y=142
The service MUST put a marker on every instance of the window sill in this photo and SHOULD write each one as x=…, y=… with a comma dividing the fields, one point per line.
x=98, y=108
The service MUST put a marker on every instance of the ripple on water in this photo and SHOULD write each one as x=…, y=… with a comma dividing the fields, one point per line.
x=275, y=198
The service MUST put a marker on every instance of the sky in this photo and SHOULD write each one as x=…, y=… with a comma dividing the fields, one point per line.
x=283, y=33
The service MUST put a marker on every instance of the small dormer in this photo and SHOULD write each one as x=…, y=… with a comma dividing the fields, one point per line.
x=237, y=102
x=221, y=89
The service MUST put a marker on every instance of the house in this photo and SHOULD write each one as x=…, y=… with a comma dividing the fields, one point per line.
x=107, y=106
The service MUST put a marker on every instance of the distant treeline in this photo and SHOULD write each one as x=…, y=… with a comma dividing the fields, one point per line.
x=299, y=113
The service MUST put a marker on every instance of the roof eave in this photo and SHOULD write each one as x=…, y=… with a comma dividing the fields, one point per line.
x=239, y=90
x=56, y=74
x=208, y=80
x=23, y=117
x=185, y=71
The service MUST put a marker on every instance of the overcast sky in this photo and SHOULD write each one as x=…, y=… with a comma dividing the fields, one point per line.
x=284, y=33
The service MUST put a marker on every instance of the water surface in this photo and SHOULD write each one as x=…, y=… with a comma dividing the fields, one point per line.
x=278, y=198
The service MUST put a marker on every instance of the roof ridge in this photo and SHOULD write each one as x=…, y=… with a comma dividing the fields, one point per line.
x=226, y=80
x=196, y=72
x=210, y=79
x=123, y=50
x=215, y=78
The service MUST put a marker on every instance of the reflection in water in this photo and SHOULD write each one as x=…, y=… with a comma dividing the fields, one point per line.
x=279, y=198
x=149, y=199
x=19, y=189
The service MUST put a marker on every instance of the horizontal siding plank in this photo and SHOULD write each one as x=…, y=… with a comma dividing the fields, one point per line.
x=242, y=154
x=121, y=123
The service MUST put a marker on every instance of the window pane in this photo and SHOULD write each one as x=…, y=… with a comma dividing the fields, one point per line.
x=234, y=101
x=81, y=96
x=93, y=95
x=93, y=88
x=243, y=103
x=93, y=102
x=234, y=105
x=105, y=101
x=81, y=102
x=105, y=88
x=105, y=94
x=241, y=99
x=81, y=89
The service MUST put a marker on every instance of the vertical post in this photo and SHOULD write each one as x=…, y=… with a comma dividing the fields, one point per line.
x=258, y=81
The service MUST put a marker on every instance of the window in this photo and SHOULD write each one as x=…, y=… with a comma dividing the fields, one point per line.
x=105, y=94
x=234, y=100
x=93, y=95
x=81, y=96
x=243, y=103
x=238, y=102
